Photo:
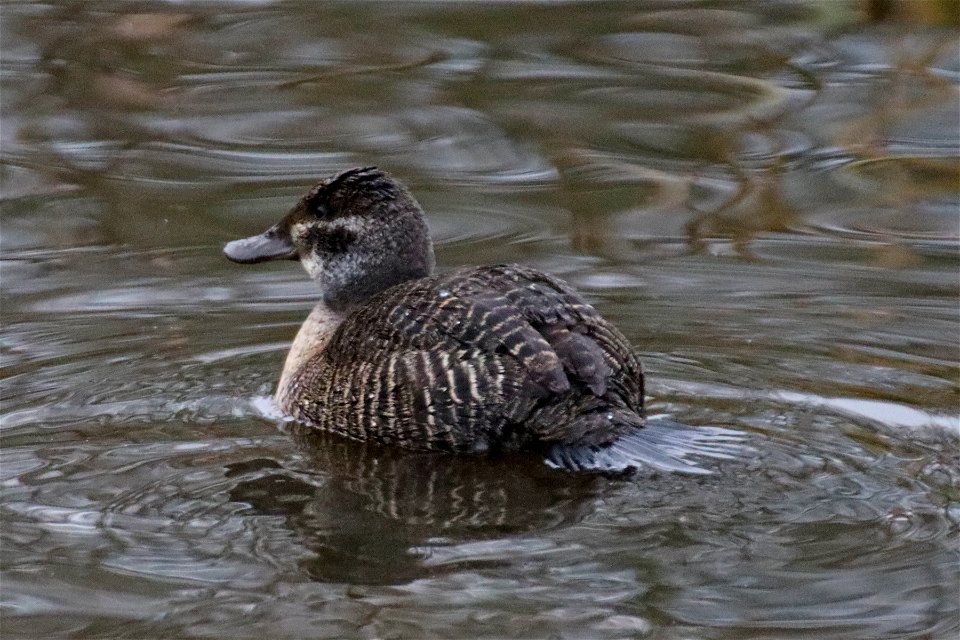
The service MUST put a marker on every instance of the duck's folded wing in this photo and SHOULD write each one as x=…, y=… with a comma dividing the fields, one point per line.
x=492, y=344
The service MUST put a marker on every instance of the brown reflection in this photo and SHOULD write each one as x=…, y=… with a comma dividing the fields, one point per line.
x=330, y=74
x=374, y=512
x=617, y=206
x=85, y=107
x=727, y=131
x=907, y=87
x=722, y=186
x=897, y=185
x=602, y=194
x=123, y=62
x=919, y=12
x=757, y=207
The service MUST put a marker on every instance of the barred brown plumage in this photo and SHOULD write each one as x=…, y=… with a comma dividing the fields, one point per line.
x=477, y=359
x=466, y=366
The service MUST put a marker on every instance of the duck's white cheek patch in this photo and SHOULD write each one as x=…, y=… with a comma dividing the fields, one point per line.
x=309, y=259
x=298, y=231
x=313, y=264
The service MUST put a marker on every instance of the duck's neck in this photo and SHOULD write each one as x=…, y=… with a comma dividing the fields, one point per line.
x=311, y=339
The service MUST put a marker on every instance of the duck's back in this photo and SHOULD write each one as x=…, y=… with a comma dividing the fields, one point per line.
x=479, y=358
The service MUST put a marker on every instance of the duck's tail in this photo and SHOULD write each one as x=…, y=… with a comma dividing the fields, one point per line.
x=659, y=444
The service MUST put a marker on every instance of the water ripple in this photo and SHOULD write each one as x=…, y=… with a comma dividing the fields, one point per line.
x=762, y=197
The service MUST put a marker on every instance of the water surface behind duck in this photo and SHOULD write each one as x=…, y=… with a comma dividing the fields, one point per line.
x=763, y=196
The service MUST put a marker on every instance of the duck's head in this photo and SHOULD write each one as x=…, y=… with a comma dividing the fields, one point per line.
x=356, y=233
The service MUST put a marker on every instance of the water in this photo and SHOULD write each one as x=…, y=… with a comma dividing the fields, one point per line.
x=763, y=196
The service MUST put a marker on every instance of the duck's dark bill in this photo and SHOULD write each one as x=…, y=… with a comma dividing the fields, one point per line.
x=269, y=245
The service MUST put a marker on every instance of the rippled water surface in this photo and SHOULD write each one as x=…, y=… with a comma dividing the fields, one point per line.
x=762, y=195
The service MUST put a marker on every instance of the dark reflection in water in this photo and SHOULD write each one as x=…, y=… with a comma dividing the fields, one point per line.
x=763, y=196
x=371, y=514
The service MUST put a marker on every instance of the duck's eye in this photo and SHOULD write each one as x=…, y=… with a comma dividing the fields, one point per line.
x=317, y=205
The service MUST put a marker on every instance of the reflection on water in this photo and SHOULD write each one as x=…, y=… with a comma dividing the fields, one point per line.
x=763, y=196
x=373, y=515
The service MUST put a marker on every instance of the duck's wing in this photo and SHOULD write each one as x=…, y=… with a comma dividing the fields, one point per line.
x=591, y=349
x=476, y=357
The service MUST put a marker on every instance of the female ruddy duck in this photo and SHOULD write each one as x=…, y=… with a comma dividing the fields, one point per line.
x=478, y=359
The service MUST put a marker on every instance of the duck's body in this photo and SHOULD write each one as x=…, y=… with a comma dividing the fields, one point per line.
x=479, y=359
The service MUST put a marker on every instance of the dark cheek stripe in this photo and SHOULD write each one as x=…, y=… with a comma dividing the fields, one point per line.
x=331, y=241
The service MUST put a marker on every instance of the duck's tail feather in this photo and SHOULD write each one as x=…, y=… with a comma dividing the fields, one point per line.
x=660, y=444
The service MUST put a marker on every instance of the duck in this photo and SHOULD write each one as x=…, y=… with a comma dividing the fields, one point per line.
x=474, y=360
